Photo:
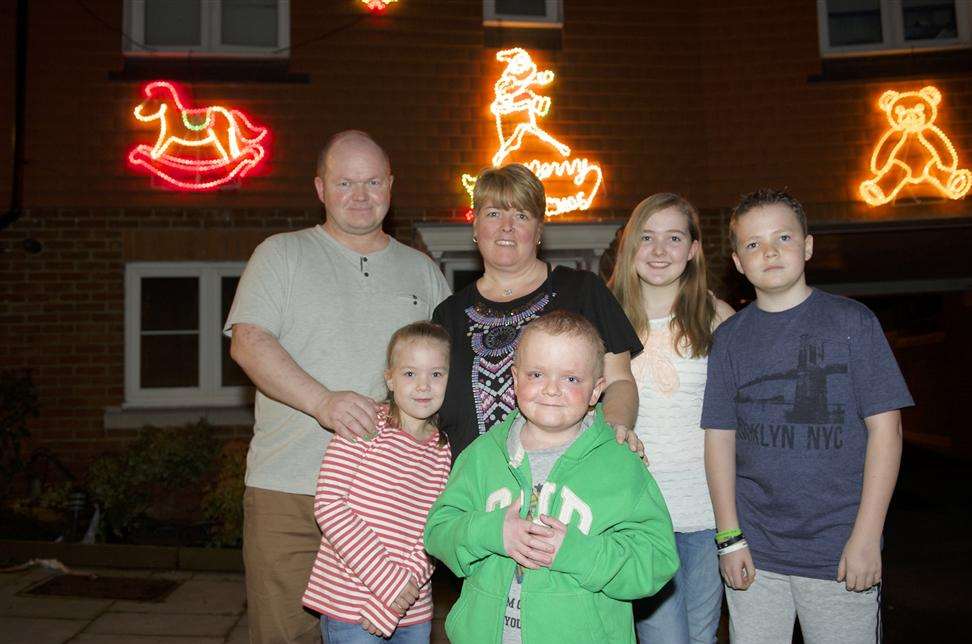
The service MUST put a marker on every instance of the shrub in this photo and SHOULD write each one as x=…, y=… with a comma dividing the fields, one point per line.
x=223, y=502
x=159, y=463
x=18, y=402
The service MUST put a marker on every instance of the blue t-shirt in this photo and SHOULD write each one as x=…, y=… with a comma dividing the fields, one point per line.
x=796, y=386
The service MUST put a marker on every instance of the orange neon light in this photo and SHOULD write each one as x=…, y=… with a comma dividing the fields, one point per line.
x=913, y=150
x=197, y=149
x=516, y=109
x=378, y=5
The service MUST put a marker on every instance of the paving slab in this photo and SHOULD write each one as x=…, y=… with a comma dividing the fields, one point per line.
x=105, y=638
x=63, y=607
x=33, y=630
x=12, y=578
x=220, y=576
x=170, y=625
x=239, y=635
x=202, y=596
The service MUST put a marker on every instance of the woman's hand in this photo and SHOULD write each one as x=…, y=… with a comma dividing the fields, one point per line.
x=627, y=435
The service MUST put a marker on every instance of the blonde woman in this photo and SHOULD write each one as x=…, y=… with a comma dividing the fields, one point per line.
x=485, y=319
x=660, y=280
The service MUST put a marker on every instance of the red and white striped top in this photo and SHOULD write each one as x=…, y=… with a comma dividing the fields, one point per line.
x=373, y=498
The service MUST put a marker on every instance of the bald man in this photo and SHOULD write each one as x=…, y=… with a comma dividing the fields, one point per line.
x=312, y=316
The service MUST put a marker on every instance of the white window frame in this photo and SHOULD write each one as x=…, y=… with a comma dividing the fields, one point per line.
x=553, y=17
x=209, y=392
x=892, y=30
x=210, y=33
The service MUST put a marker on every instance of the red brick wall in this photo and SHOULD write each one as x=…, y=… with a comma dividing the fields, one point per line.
x=707, y=99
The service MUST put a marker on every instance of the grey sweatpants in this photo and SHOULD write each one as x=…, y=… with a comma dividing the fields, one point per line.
x=829, y=613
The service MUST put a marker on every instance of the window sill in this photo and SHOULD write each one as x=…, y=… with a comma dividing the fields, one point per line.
x=138, y=417
x=210, y=70
x=917, y=64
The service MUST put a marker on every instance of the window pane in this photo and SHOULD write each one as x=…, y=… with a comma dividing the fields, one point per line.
x=170, y=304
x=173, y=23
x=232, y=376
x=929, y=19
x=170, y=361
x=521, y=7
x=251, y=23
x=854, y=22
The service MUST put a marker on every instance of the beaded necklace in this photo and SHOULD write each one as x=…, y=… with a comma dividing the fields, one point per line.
x=494, y=335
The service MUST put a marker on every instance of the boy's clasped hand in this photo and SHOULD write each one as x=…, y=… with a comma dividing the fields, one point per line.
x=532, y=545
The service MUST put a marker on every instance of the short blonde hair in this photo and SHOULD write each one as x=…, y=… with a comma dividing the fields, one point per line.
x=514, y=187
x=566, y=323
x=342, y=136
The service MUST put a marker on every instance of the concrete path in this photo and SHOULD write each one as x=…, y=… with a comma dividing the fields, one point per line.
x=206, y=608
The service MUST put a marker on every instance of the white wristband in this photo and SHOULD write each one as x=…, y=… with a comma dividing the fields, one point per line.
x=739, y=545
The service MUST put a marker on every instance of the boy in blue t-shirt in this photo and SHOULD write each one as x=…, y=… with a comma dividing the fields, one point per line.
x=810, y=393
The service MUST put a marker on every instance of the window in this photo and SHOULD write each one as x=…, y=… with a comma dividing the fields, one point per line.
x=855, y=27
x=258, y=28
x=175, y=352
x=523, y=13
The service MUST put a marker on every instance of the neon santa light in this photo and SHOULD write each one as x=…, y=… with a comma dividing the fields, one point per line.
x=196, y=149
x=913, y=150
x=517, y=109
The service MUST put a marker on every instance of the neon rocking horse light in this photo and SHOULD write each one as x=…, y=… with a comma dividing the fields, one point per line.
x=516, y=109
x=217, y=145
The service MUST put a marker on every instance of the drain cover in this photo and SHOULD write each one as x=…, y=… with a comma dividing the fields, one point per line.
x=137, y=589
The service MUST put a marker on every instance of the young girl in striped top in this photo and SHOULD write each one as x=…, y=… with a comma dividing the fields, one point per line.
x=660, y=280
x=371, y=577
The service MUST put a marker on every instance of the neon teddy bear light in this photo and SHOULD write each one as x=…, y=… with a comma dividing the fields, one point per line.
x=913, y=150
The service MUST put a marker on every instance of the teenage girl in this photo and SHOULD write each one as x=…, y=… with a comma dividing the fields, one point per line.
x=371, y=577
x=660, y=281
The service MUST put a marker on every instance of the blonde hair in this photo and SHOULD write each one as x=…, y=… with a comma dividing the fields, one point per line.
x=567, y=323
x=424, y=330
x=512, y=187
x=342, y=136
x=693, y=310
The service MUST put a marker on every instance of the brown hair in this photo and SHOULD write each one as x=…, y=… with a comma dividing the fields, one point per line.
x=424, y=330
x=694, y=310
x=513, y=187
x=567, y=323
x=765, y=197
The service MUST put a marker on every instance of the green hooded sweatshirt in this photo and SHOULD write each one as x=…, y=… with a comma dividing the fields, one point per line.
x=619, y=544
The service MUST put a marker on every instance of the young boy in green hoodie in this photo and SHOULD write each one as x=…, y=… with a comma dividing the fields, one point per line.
x=554, y=525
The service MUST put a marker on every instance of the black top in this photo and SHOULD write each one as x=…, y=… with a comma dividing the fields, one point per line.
x=485, y=333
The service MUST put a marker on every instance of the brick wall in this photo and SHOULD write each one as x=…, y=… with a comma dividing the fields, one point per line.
x=706, y=99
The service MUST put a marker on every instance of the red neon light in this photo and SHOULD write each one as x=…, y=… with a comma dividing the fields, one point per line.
x=217, y=145
x=377, y=6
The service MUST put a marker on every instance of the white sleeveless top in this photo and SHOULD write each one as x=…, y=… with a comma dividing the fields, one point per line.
x=670, y=388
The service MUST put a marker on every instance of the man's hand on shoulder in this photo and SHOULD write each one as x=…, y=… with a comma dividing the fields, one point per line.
x=347, y=414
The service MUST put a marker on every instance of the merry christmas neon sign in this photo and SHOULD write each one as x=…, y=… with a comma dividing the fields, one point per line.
x=196, y=149
x=913, y=150
x=517, y=109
